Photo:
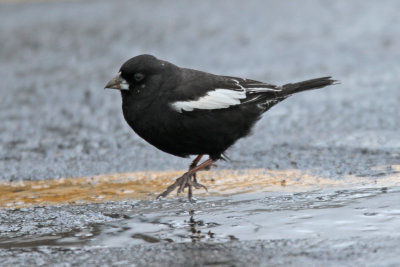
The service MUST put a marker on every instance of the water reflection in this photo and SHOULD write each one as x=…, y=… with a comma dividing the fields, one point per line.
x=329, y=214
x=364, y=212
x=197, y=226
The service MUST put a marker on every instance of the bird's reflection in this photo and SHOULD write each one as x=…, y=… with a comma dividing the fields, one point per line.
x=195, y=226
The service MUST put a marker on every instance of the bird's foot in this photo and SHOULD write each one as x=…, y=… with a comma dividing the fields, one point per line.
x=187, y=180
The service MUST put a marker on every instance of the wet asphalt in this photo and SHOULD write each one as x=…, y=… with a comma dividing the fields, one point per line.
x=57, y=121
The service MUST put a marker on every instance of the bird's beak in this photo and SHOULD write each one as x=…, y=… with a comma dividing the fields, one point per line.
x=118, y=83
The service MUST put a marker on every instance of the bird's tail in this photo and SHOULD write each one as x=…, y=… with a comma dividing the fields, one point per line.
x=292, y=88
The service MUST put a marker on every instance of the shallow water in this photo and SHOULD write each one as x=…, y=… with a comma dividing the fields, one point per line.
x=327, y=214
x=336, y=214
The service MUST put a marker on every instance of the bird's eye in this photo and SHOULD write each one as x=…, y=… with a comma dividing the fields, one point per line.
x=139, y=76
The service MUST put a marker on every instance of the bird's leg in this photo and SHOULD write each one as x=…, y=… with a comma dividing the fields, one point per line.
x=186, y=179
x=181, y=182
x=193, y=183
x=185, y=184
x=192, y=174
x=195, y=161
x=192, y=165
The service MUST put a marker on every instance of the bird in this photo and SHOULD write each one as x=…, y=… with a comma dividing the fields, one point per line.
x=187, y=112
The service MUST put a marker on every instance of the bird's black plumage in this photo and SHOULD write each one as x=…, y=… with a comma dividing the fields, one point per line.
x=188, y=112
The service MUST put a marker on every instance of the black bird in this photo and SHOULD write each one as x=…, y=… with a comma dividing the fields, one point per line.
x=189, y=112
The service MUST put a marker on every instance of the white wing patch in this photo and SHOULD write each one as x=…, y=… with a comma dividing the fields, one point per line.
x=261, y=90
x=223, y=98
x=216, y=99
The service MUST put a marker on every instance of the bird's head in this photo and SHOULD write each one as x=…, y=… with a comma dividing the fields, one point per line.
x=138, y=72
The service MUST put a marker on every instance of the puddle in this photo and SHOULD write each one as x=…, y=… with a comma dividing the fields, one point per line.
x=74, y=238
x=366, y=212
x=240, y=205
x=321, y=214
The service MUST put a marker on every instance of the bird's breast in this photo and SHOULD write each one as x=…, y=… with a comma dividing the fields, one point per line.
x=155, y=122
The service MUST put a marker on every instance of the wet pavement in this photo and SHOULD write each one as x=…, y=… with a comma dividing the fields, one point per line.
x=329, y=189
x=341, y=227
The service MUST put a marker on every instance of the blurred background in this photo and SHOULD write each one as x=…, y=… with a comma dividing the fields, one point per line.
x=339, y=146
x=56, y=56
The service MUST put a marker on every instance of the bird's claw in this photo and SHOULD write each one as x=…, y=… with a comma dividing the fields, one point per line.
x=186, y=180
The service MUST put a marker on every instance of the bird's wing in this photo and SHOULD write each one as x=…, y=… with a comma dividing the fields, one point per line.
x=225, y=91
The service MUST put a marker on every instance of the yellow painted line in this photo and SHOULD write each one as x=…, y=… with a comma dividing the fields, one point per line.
x=147, y=185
